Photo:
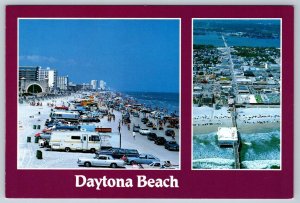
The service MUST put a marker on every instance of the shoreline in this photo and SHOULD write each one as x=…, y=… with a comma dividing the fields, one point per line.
x=248, y=120
x=29, y=115
x=245, y=129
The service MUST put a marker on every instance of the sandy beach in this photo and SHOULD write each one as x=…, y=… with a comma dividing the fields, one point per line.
x=207, y=119
x=249, y=120
x=36, y=115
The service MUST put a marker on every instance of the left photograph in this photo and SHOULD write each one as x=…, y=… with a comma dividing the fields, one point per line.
x=98, y=93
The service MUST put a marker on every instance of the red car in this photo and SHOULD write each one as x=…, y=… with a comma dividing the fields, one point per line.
x=62, y=107
x=47, y=130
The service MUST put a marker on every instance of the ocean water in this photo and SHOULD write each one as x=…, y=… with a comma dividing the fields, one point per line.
x=160, y=100
x=212, y=38
x=209, y=39
x=258, y=151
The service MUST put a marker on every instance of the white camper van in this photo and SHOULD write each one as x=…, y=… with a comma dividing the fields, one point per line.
x=65, y=115
x=82, y=141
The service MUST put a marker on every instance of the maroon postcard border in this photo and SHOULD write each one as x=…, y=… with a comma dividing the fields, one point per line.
x=192, y=184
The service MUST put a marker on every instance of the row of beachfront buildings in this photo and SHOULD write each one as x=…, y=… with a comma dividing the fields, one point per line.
x=35, y=79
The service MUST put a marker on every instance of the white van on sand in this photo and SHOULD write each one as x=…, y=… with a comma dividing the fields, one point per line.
x=81, y=141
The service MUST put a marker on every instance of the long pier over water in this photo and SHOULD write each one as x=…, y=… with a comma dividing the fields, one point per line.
x=236, y=146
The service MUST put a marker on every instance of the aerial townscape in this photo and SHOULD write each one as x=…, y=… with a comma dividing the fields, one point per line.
x=98, y=99
x=236, y=94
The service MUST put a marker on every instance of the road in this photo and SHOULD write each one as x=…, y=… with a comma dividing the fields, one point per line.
x=234, y=83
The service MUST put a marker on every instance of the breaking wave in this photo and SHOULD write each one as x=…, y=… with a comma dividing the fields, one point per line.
x=258, y=151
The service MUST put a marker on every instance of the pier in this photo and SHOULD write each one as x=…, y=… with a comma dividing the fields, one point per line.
x=235, y=145
x=230, y=137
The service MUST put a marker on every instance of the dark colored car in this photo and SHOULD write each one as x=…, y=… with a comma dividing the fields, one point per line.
x=172, y=145
x=118, y=153
x=50, y=123
x=144, y=120
x=142, y=159
x=136, y=128
x=151, y=136
x=89, y=120
x=170, y=132
x=66, y=127
x=149, y=124
x=160, y=141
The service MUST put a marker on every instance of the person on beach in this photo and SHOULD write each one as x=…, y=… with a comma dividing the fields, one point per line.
x=119, y=128
x=124, y=158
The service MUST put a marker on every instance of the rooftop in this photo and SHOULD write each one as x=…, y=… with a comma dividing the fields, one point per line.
x=227, y=133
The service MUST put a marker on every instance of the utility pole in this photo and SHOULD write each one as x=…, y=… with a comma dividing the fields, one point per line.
x=119, y=128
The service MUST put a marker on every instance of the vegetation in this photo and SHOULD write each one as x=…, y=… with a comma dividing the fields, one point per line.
x=258, y=54
x=201, y=46
x=206, y=55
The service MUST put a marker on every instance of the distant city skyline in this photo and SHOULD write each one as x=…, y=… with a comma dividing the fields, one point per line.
x=128, y=54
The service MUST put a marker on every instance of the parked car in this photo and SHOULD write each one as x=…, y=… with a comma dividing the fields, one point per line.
x=97, y=120
x=101, y=160
x=170, y=132
x=142, y=159
x=172, y=145
x=160, y=141
x=65, y=127
x=136, y=128
x=47, y=130
x=151, y=136
x=149, y=124
x=136, y=114
x=118, y=153
x=61, y=107
x=144, y=120
x=144, y=131
x=43, y=135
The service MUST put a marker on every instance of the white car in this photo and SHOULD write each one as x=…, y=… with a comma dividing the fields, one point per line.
x=144, y=131
x=159, y=165
x=101, y=160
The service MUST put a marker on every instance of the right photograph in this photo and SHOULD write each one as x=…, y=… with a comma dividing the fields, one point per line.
x=236, y=94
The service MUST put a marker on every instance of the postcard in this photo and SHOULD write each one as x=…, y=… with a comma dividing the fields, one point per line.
x=155, y=102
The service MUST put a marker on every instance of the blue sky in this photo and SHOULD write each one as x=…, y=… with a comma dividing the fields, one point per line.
x=130, y=55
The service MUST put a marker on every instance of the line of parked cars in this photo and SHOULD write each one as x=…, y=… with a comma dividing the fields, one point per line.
x=110, y=158
x=171, y=145
x=118, y=157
